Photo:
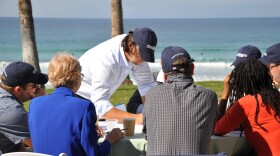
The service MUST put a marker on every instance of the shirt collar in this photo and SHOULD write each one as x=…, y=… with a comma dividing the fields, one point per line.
x=122, y=55
x=179, y=77
x=63, y=90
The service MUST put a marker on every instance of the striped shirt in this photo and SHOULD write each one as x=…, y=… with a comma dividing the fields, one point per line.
x=180, y=117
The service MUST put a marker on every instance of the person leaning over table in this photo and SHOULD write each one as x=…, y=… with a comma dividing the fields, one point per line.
x=180, y=116
x=63, y=123
x=107, y=65
x=272, y=60
x=256, y=105
x=20, y=82
x=243, y=54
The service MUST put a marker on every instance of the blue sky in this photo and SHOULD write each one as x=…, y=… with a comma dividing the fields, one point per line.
x=148, y=8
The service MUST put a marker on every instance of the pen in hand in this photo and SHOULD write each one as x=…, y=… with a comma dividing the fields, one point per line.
x=120, y=130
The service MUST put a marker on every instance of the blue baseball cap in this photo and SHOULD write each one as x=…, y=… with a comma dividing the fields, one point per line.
x=272, y=55
x=21, y=73
x=245, y=53
x=146, y=39
x=170, y=54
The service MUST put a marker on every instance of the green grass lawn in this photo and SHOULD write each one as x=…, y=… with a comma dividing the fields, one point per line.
x=124, y=92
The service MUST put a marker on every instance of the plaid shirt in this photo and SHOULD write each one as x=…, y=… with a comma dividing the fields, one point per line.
x=180, y=117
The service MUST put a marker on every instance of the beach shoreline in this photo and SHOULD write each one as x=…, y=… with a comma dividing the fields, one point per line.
x=204, y=71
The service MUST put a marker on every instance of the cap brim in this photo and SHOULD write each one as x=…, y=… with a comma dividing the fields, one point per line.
x=41, y=79
x=147, y=54
x=237, y=61
x=264, y=61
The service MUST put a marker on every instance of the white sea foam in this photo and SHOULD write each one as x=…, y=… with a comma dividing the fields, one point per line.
x=204, y=71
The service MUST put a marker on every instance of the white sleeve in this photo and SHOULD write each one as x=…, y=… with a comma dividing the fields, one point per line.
x=100, y=89
x=143, y=77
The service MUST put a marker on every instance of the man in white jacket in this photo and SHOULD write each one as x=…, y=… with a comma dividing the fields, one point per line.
x=106, y=66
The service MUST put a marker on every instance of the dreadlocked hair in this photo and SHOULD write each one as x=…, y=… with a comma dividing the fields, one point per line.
x=253, y=77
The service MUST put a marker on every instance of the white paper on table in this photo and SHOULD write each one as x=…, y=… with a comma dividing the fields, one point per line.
x=103, y=125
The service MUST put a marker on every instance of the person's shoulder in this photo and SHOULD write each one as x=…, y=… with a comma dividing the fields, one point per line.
x=249, y=99
x=159, y=89
x=204, y=90
x=79, y=101
x=9, y=101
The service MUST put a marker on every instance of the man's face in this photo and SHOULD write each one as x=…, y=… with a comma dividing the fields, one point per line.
x=30, y=91
x=275, y=72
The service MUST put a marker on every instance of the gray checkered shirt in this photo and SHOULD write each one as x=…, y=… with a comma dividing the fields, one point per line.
x=180, y=117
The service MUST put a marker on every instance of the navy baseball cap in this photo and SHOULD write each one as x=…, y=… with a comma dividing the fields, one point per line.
x=21, y=73
x=245, y=53
x=272, y=55
x=146, y=39
x=170, y=54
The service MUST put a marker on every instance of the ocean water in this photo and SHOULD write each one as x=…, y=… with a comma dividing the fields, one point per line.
x=213, y=43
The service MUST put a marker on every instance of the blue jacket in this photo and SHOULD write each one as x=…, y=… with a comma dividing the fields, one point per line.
x=63, y=123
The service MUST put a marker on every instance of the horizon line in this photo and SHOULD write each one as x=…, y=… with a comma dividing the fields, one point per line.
x=143, y=18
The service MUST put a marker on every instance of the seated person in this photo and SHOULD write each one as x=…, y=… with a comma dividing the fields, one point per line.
x=63, y=123
x=243, y=54
x=256, y=105
x=20, y=82
x=272, y=60
x=180, y=116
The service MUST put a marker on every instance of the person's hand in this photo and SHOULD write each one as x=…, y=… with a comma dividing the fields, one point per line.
x=99, y=131
x=40, y=91
x=226, y=87
x=115, y=135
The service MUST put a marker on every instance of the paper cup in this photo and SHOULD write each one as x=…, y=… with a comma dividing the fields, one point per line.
x=129, y=125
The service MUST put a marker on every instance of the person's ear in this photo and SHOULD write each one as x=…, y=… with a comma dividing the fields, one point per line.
x=131, y=47
x=164, y=76
x=17, y=91
x=192, y=68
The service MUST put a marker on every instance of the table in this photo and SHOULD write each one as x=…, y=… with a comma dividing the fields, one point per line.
x=230, y=143
x=129, y=146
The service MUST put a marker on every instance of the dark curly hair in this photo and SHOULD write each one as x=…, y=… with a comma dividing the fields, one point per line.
x=127, y=41
x=253, y=77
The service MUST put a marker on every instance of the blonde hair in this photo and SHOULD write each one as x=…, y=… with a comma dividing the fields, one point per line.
x=3, y=85
x=64, y=70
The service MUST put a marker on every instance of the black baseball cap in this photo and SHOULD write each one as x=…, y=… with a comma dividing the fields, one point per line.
x=146, y=39
x=272, y=55
x=170, y=54
x=245, y=53
x=21, y=73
